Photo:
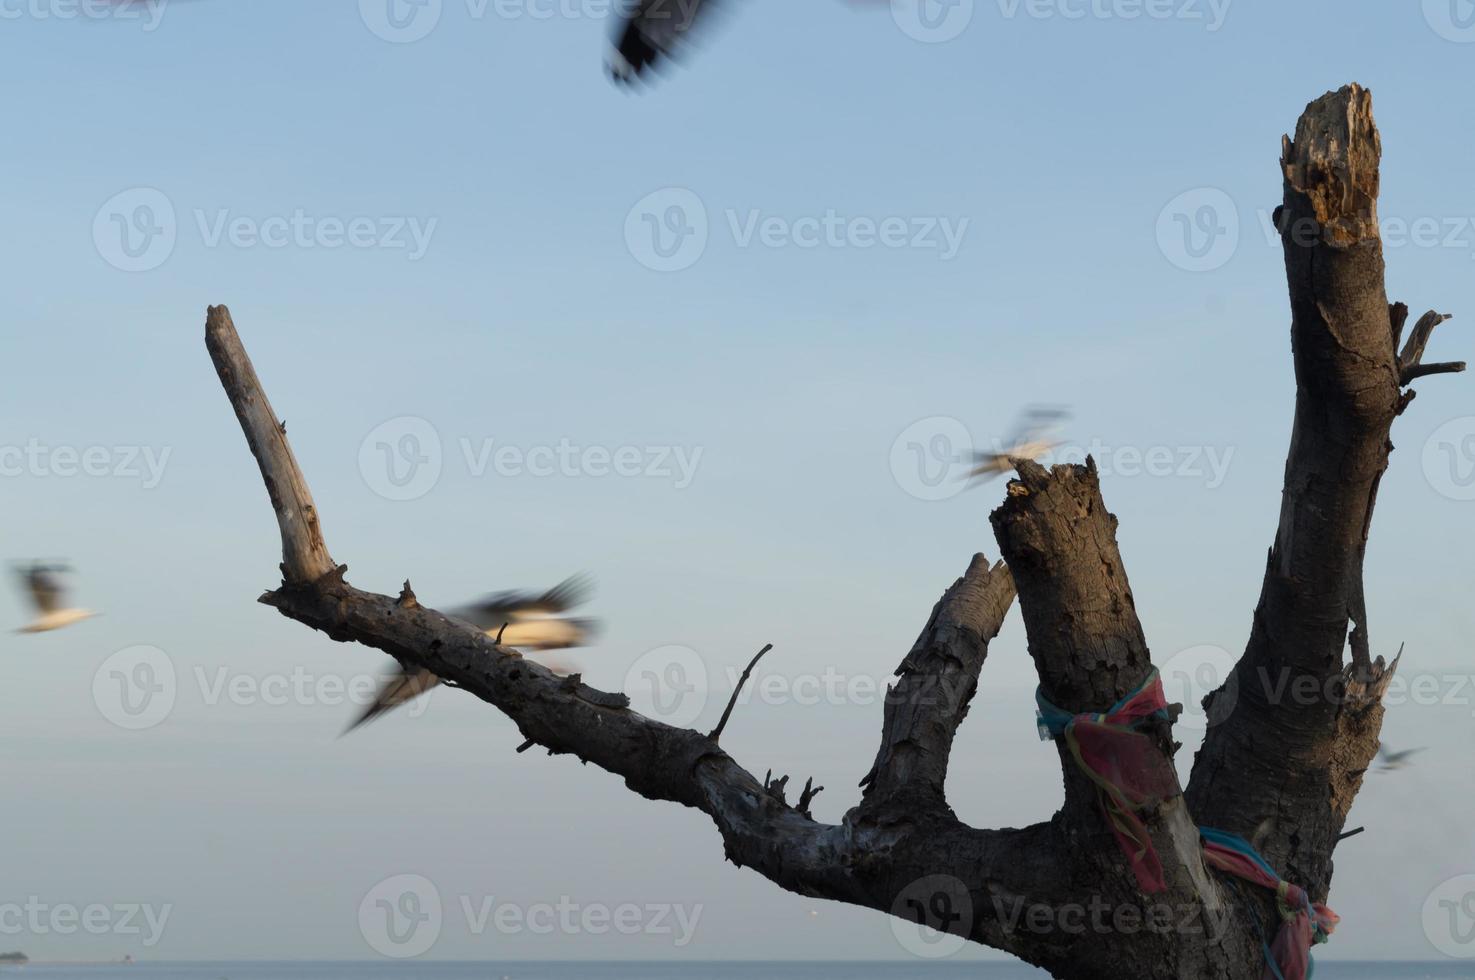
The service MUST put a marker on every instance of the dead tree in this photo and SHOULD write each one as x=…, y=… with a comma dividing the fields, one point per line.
x=1281, y=768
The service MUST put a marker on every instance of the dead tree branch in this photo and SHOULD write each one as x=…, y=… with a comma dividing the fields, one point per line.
x=1281, y=767
x=1300, y=725
x=856, y=861
x=736, y=691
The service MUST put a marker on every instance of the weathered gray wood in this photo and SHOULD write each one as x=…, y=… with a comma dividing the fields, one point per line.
x=305, y=556
x=937, y=681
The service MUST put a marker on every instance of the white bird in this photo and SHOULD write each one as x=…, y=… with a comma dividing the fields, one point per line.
x=1393, y=761
x=525, y=621
x=48, y=596
x=1034, y=436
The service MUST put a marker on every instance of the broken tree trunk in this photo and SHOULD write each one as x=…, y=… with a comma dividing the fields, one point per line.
x=1281, y=766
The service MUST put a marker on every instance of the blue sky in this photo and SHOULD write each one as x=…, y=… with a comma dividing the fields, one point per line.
x=793, y=379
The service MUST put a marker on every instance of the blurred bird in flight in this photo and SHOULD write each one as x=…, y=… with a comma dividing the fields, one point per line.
x=659, y=30
x=49, y=598
x=523, y=620
x=1035, y=435
x=1394, y=761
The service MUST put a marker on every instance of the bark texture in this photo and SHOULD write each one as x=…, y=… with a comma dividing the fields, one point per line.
x=1295, y=729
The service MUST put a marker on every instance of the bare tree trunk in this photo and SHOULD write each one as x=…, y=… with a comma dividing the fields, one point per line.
x=1281, y=765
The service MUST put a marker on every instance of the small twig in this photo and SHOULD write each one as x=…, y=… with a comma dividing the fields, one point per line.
x=525, y=746
x=726, y=714
x=807, y=797
x=1411, y=364
x=1415, y=371
x=775, y=787
x=501, y=631
x=1350, y=833
x=1398, y=317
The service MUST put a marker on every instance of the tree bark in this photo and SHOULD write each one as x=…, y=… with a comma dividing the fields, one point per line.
x=1299, y=723
x=1281, y=765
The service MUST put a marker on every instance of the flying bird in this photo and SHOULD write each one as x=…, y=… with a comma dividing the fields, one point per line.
x=660, y=30
x=534, y=621
x=1394, y=761
x=49, y=598
x=523, y=620
x=1034, y=436
x=653, y=32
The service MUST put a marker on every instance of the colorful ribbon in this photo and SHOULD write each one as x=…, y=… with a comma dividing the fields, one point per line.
x=1132, y=775
x=1128, y=770
x=1304, y=923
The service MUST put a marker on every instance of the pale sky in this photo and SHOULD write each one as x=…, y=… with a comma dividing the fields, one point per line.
x=910, y=232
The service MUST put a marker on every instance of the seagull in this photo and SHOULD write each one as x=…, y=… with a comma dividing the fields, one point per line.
x=523, y=620
x=48, y=595
x=1034, y=436
x=533, y=621
x=1394, y=761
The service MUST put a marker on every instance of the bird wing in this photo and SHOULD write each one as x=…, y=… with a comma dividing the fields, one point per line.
x=654, y=31
x=552, y=633
x=495, y=610
x=1038, y=423
x=407, y=685
x=47, y=592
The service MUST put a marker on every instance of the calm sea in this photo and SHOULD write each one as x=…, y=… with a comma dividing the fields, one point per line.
x=1325, y=970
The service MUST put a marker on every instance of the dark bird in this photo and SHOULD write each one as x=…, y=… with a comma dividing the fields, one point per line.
x=49, y=598
x=1393, y=761
x=654, y=31
x=523, y=620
